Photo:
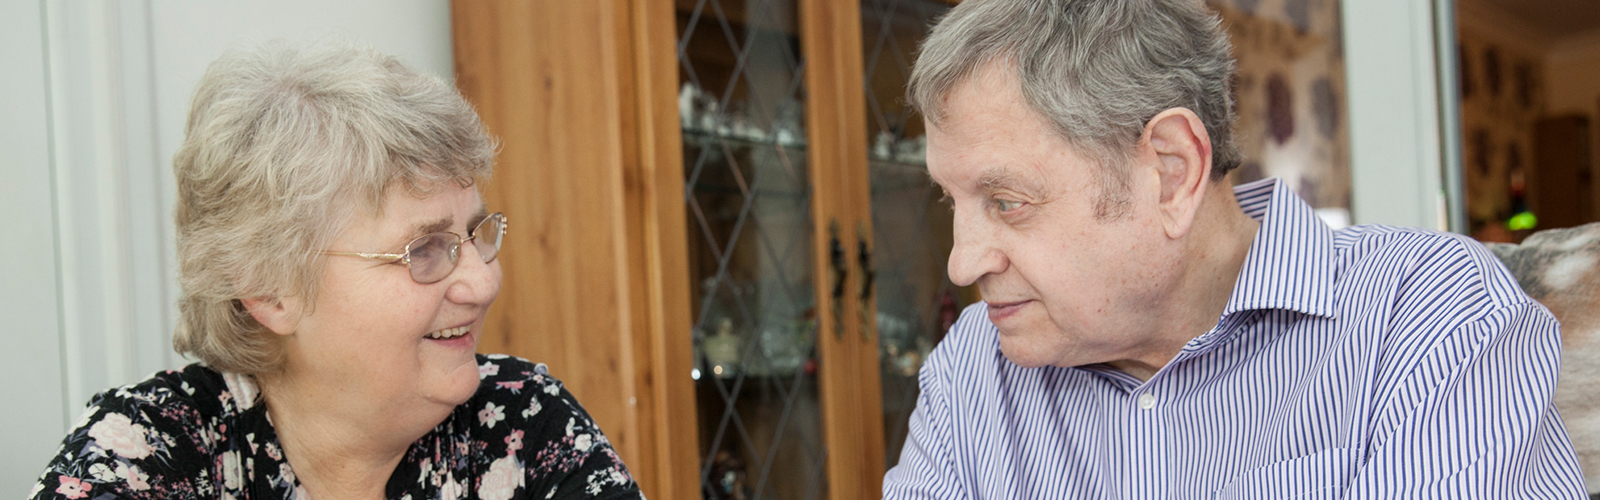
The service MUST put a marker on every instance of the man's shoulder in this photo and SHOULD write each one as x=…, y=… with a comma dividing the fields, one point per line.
x=1412, y=287
x=1420, y=264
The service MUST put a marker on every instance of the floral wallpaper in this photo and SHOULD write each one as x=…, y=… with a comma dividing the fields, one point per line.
x=1290, y=95
x=1502, y=98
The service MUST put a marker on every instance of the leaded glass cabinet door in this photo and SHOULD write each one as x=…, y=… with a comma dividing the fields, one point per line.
x=748, y=201
x=916, y=303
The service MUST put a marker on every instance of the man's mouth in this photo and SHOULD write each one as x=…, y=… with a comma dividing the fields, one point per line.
x=1002, y=310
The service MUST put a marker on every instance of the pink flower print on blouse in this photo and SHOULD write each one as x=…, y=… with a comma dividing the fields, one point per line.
x=490, y=414
x=73, y=488
x=118, y=434
x=487, y=370
x=514, y=441
x=136, y=478
x=504, y=477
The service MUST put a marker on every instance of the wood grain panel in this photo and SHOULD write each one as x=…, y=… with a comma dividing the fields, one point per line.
x=666, y=388
x=851, y=392
x=594, y=275
x=553, y=182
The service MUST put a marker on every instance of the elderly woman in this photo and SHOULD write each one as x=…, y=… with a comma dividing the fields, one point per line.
x=336, y=263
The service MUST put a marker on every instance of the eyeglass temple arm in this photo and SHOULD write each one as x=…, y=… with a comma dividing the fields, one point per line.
x=393, y=257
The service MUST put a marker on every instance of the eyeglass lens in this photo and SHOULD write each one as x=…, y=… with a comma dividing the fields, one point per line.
x=432, y=257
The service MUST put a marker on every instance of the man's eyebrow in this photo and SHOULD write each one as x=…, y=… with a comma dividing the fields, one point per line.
x=995, y=179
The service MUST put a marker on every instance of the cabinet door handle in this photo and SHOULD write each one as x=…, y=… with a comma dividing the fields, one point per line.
x=837, y=262
x=868, y=275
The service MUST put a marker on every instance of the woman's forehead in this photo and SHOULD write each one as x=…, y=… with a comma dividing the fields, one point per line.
x=446, y=209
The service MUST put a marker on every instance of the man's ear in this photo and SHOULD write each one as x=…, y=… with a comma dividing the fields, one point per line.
x=1181, y=148
x=282, y=316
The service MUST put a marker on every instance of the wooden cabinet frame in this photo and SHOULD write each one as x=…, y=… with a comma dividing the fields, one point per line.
x=582, y=96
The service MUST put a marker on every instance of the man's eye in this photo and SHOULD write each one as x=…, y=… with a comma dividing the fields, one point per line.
x=1007, y=205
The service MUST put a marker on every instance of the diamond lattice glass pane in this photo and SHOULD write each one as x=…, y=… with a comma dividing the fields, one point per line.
x=916, y=302
x=748, y=200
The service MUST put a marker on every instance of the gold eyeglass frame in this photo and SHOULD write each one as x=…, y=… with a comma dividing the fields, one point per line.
x=455, y=250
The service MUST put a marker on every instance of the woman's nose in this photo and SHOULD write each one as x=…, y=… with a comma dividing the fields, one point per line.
x=474, y=281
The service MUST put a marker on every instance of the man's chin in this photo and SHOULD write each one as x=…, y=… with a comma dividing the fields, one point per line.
x=1023, y=354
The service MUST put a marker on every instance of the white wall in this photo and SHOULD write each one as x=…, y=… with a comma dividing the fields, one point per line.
x=1395, y=140
x=30, y=364
x=96, y=94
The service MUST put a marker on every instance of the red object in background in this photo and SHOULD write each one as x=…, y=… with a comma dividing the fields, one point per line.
x=947, y=313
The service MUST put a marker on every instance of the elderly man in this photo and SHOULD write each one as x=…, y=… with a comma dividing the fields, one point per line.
x=1150, y=331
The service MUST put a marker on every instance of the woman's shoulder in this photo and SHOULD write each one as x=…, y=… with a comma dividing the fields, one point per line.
x=142, y=439
x=527, y=420
x=172, y=401
x=495, y=368
x=510, y=386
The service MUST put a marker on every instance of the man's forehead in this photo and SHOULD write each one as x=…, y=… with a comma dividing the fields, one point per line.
x=986, y=177
x=1011, y=177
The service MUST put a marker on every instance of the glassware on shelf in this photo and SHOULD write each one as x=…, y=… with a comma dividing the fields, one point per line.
x=911, y=151
x=700, y=113
x=902, y=347
x=911, y=227
x=722, y=351
x=728, y=472
x=883, y=146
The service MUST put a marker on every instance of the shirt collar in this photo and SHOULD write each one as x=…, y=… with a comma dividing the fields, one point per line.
x=1290, y=264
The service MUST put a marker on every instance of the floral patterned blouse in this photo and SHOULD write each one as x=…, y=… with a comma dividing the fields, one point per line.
x=198, y=433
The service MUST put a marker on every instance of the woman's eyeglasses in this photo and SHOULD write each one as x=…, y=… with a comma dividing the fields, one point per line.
x=433, y=256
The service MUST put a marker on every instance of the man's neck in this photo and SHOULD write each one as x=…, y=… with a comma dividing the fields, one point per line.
x=1214, y=256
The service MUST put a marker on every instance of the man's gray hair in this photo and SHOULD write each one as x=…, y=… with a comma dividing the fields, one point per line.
x=1095, y=70
x=285, y=147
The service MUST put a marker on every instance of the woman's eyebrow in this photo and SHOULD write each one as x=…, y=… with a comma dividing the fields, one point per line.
x=477, y=217
x=445, y=224
x=438, y=226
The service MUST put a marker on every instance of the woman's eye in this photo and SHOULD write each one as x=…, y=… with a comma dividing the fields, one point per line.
x=1007, y=205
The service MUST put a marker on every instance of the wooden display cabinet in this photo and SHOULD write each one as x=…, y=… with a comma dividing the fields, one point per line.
x=722, y=236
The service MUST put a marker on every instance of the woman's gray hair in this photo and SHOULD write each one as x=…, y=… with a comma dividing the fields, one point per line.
x=284, y=148
x=1095, y=70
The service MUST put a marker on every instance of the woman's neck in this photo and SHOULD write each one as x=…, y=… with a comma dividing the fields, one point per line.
x=337, y=448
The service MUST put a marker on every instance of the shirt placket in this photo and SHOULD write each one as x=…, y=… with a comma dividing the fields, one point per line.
x=1146, y=436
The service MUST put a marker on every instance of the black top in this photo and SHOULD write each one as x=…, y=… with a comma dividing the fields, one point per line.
x=199, y=433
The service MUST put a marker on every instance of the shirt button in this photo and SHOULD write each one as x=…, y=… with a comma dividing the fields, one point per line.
x=1147, y=401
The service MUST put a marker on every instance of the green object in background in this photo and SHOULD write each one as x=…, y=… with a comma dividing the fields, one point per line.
x=1524, y=220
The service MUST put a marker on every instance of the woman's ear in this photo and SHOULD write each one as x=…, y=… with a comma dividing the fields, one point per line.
x=282, y=316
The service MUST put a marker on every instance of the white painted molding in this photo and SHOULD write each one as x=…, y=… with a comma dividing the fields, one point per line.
x=117, y=299
x=96, y=95
x=1393, y=103
x=34, y=411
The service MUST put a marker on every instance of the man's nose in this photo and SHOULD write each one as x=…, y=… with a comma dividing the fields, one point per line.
x=975, y=252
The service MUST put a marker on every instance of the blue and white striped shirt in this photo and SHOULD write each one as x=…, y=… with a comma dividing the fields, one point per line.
x=1371, y=362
